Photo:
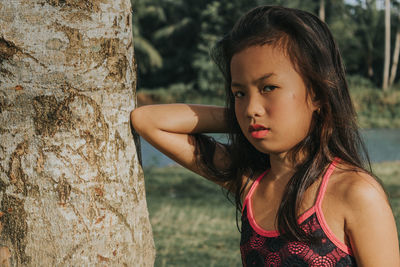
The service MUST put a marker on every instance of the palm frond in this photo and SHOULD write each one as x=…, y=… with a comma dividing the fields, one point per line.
x=168, y=30
x=146, y=48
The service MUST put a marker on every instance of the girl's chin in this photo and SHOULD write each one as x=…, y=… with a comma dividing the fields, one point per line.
x=266, y=150
x=270, y=150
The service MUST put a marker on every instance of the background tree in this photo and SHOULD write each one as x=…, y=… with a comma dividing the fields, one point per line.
x=184, y=31
x=216, y=19
x=386, y=64
x=396, y=50
x=147, y=55
x=369, y=20
x=71, y=187
x=322, y=10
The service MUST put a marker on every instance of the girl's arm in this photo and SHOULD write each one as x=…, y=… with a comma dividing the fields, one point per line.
x=169, y=127
x=370, y=223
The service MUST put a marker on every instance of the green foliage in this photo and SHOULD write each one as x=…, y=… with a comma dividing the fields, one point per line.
x=173, y=39
x=146, y=54
x=375, y=108
x=369, y=34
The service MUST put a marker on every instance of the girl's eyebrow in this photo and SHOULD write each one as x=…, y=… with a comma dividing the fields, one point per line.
x=256, y=81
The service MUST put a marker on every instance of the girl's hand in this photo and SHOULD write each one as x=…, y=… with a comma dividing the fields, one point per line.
x=169, y=127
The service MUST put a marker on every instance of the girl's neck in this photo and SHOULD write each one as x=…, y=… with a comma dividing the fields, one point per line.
x=282, y=168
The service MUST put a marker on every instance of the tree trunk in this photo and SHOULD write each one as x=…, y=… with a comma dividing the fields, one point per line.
x=395, y=58
x=71, y=186
x=322, y=10
x=370, y=69
x=387, y=46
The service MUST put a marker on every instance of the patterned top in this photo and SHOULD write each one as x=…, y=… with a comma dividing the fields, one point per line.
x=267, y=248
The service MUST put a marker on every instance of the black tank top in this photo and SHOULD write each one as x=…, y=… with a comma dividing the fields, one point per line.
x=259, y=247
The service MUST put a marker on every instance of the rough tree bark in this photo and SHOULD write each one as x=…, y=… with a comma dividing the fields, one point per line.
x=71, y=186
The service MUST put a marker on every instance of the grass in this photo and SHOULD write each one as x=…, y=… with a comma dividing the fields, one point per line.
x=194, y=224
x=375, y=108
x=389, y=173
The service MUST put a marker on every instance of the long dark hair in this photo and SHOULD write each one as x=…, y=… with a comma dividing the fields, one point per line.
x=333, y=132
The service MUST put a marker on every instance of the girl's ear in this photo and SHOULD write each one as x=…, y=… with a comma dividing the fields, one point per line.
x=316, y=104
x=313, y=101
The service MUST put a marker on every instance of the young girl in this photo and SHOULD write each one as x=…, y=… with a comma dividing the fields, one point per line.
x=293, y=161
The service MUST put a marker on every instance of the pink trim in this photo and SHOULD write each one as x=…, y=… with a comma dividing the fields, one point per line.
x=273, y=233
x=316, y=208
x=255, y=226
x=252, y=188
x=320, y=214
x=306, y=214
x=250, y=215
x=324, y=183
x=330, y=234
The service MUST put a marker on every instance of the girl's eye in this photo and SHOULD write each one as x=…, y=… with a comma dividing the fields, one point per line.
x=268, y=88
x=238, y=94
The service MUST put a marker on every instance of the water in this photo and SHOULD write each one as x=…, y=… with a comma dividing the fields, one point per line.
x=382, y=145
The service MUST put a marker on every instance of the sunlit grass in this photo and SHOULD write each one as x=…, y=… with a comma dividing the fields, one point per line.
x=194, y=224
x=389, y=173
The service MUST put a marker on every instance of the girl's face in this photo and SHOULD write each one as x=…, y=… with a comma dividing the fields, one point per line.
x=271, y=103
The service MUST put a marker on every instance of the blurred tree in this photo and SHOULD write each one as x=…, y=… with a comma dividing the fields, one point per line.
x=216, y=20
x=386, y=64
x=322, y=10
x=307, y=5
x=344, y=29
x=181, y=34
x=369, y=22
x=396, y=51
x=147, y=55
x=176, y=39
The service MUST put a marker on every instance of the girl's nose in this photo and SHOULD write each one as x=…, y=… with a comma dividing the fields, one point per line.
x=255, y=107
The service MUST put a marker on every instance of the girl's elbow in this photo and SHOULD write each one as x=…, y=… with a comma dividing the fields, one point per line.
x=136, y=117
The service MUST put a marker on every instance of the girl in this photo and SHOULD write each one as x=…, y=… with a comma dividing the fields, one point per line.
x=293, y=161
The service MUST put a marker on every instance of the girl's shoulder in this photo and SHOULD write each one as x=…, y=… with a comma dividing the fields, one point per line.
x=358, y=195
x=368, y=219
x=355, y=186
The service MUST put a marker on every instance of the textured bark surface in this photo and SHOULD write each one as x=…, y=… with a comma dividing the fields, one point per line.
x=71, y=187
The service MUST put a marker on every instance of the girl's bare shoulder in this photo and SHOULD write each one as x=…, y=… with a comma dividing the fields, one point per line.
x=354, y=186
x=368, y=219
x=359, y=196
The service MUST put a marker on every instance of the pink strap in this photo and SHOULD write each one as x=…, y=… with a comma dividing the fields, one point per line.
x=317, y=207
x=321, y=192
x=252, y=188
x=325, y=180
x=320, y=214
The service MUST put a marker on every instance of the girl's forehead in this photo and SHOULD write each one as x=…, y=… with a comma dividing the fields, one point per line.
x=259, y=59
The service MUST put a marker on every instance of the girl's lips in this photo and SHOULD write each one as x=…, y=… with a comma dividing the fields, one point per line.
x=259, y=134
x=258, y=131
